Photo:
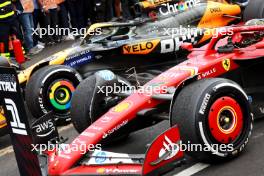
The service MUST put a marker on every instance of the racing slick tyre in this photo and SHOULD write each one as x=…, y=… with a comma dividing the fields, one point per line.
x=50, y=89
x=214, y=114
x=89, y=103
x=254, y=10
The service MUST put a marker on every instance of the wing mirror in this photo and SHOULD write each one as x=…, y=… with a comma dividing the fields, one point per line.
x=187, y=46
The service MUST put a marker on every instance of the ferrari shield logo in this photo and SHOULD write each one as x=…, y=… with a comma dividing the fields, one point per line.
x=122, y=107
x=226, y=64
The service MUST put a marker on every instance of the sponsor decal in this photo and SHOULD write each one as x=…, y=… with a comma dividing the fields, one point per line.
x=207, y=73
x=8, y=83
x=172, y=45
x=100, y=157
x=8, y=86
x=178, y=7
x=17, y=126
x=204, y=103
x=226, y=64
x=45, y=128
x=109, y=132
x=106, y=75
x=215, y=10
x=103, y=157
x=116, y=171
x=193, y=70
x=175, y=72
x=79, y=59
x=141, y=48
x=121, y=107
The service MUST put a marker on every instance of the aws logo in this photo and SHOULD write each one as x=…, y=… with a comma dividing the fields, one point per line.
x=44, y=129
x=140, y=48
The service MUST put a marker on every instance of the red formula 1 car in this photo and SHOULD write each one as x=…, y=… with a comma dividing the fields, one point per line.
x=208, y=100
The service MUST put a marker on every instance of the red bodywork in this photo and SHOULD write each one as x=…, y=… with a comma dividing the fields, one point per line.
x=204, y=62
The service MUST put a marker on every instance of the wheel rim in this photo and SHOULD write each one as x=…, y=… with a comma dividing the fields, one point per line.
x=225, y=120
x=60, y=94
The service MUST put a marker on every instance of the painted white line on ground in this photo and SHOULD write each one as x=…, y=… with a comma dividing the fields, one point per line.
x=193, y=169
x=9, y=149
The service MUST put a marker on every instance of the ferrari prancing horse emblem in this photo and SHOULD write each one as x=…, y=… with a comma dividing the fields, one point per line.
x=226, y=64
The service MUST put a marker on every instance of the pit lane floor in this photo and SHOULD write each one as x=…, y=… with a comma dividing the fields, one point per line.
x=250, y=163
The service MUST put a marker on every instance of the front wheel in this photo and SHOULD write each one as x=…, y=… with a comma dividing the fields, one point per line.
x=50, y=89
x=213, y=114
x=89, y=103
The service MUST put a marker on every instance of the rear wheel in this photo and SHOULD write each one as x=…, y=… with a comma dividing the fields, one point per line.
x=51, y=89
x=215, y=114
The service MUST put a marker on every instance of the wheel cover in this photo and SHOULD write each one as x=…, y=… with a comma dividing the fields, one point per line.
x=60, y=94
x=225, y=120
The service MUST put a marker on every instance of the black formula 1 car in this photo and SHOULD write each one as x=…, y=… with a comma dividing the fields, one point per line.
x=207, y=100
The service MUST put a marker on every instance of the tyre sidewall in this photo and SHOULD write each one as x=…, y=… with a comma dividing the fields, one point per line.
x=254, y=10
x=202, y=113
